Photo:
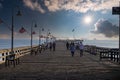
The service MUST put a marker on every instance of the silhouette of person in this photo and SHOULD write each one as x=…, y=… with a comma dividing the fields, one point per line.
x=72, y=49
x=81, y=47
x=50, y=46
x=67, y=45
x=54, y=46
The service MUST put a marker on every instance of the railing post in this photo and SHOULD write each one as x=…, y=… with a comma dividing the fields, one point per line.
x=111, y=52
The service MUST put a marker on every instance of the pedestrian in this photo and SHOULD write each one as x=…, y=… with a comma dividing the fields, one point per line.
x=50, y=46
x=40, y=48
x=72, y=49
x=67, y=45
x=81, y=47
x=54, y=46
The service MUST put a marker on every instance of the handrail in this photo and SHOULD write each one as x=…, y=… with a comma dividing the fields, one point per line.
x=19, y=51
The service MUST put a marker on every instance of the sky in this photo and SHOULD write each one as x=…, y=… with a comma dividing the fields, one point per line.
x=64, y=19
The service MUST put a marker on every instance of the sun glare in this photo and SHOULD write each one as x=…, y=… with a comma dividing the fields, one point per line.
x=87, y=19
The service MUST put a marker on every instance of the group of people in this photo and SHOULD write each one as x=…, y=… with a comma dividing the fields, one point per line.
x=52, y=46
x=45, y=46
x=72, y=47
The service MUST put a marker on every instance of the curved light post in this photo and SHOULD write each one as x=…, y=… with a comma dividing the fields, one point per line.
x=39, y=37
x=12, y=29
x=33, y=25
x=47, y=37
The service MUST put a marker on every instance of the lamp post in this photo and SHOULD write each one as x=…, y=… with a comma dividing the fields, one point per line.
x=33, y=25
x=119, y=32
x=12, y=29
x=47, y=37
x=39, y=37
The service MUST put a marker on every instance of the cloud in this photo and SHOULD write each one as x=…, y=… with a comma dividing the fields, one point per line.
x=34, y=5
x=106, y=4
x=5, y=36
x=80, y=5
x=106, y=28
x=52, y=5
x=104, y=11
x=75, y=5
x=0, y=5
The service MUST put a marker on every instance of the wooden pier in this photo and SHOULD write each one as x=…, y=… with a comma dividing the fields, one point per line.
x=60, y=65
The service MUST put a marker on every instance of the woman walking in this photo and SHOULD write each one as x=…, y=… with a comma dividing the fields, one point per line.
x=81, y=49
x=72, y=49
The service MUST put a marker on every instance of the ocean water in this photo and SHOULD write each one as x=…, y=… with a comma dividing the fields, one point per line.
x=103, y=43
x=6, y=44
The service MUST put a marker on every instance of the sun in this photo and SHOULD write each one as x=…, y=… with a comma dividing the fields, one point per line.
x=87, y=19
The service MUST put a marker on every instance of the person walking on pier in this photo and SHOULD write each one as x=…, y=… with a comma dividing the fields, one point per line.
x=81, y=47
x=54, y=46
x=67, y=45
x=50, y=46
x=72, y=49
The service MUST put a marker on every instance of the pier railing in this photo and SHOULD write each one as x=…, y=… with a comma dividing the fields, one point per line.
x=20, y=51
x=111, y=54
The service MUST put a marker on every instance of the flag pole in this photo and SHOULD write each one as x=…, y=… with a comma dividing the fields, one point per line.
x=12, y=32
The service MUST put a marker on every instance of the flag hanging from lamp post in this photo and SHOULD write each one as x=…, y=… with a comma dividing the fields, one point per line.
x=22, y=30
x=41, y=36
x=33, y=32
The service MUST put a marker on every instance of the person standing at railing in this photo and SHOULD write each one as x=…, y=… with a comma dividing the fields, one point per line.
x=81, y=47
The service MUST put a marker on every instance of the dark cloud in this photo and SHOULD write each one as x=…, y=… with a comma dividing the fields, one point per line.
x=0, y=5
x=106, y=28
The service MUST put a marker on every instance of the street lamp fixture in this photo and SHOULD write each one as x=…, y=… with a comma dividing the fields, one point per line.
x=19, y=13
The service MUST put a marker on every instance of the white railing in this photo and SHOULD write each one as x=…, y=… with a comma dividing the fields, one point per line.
x=20, y=51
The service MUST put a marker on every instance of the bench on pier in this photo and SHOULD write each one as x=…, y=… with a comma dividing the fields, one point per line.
x=12, y=59
x=112, y=55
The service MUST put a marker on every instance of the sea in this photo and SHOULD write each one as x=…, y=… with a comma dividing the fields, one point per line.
x=103, y=43
x=6, y=43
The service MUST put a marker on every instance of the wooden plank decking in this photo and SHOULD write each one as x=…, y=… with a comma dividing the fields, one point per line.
x=59, y=65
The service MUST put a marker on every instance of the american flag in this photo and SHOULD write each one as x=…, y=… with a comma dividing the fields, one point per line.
x=41, y=36
x=33, y=32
